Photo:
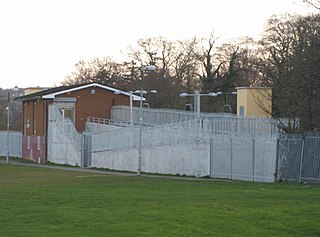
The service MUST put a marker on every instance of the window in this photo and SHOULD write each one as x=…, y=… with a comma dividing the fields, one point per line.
x=67, y=113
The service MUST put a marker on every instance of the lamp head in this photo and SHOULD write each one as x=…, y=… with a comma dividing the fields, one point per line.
x=149, y=67
x=213, y=94
x=139, y=92
x=117, y=92
x=184, y=94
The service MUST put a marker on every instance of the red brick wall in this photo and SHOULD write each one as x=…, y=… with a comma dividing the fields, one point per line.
x=87, y=104
x=94, y=105
x=35, y=118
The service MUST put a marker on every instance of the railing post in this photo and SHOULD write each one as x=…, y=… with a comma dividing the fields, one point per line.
x=276, y=172
x=210, y=154
x=231, y=157
x=253, y=158
x=301, y=159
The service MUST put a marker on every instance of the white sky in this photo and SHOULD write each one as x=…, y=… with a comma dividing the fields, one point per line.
x=42, y=40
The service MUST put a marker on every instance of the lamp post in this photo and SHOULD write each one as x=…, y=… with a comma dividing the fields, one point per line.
x=131, y=109
x=8, y=123
x=141, y=92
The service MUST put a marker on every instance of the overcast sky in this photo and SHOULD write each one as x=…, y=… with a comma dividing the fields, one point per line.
x=42, y=40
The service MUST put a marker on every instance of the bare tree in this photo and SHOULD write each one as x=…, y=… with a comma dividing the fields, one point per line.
x=102, y=70
x=175, y=68
x=291, y=65
x=223, y=68
x=313, y=3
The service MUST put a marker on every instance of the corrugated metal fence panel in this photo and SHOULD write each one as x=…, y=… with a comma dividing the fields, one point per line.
x=243, y=158
x=289, y=155
x=15, y=143
x=299, y=158
x=310, y=170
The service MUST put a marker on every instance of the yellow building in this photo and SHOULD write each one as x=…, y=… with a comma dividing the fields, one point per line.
x=254, y=102
x=31, y=90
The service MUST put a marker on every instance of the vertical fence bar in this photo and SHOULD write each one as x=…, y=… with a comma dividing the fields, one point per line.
x=231, y=157
x=277, y=160
x=210, y=155
x=301, y=159
x=253, y=158
x=82, y=150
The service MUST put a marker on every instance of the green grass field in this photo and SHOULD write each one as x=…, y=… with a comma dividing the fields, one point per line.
x=49, y=202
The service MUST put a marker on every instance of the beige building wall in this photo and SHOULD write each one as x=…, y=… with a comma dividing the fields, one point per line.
x=31, y=90
x=254, y=102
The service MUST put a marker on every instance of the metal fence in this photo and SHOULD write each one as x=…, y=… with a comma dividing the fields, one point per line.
x=236, y=148
x=230, y=156
x=214, y=122
x=65, y=125
x=243, y=158
x=299, y=158
x=15, y=143
x=151, y=136
x=64, y=142
x=151, y=116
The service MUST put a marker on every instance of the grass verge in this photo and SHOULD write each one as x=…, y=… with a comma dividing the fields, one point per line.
x=49, y=202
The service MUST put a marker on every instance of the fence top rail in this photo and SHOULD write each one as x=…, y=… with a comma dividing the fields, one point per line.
x=174, y=111
x=11, y=131
x=192, y=114
x=190, y=127
x=293, y=136
x=118, y=123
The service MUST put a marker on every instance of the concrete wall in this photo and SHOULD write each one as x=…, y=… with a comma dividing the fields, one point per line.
x=15, y=143
x=165, y=152
x=62, y=149
x=182, y=159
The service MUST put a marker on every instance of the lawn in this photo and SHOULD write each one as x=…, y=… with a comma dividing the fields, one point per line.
x=48, y=202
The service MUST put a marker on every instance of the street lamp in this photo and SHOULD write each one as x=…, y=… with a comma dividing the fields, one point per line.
x=197, y=96
x=119, y=92
x=8, y=122
x=226, y=105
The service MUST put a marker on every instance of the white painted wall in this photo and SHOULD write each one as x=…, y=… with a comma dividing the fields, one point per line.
x=182, y=159
x=61, y=147
x=15, y=143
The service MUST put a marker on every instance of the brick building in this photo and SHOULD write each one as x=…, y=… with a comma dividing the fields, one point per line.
x=74, y=102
